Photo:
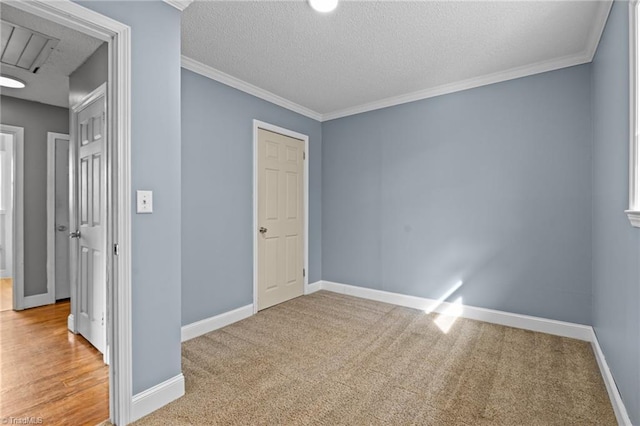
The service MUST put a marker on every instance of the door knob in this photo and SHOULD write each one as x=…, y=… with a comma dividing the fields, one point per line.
x=263, y=230
x=74, y=234
x=62, y=228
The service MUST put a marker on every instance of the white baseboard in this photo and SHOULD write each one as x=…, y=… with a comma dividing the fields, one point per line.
x=71, y=323
x=37, y=300
x=313, y=287
x=156, y=397
x=614, y=394
x=206, y=325
x=526, y=322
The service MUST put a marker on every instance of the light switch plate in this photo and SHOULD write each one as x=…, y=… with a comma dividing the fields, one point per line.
x=144, y=201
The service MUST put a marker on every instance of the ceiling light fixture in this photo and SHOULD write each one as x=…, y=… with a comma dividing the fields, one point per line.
x=14, y=83
x=323, y=6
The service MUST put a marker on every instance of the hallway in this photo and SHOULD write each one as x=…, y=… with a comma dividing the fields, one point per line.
x=48, y=372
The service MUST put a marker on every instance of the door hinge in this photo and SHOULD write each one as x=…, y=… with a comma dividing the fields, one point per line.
x=116, y=249
x=304, y=272
x=102, y=319
x=304, y=155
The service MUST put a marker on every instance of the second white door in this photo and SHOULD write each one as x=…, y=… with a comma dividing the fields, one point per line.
x=89, y=206
x=280, y=218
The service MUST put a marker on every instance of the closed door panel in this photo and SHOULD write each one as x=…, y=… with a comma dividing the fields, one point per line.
x=91, y=205
x=280, y=218
x=61, y=202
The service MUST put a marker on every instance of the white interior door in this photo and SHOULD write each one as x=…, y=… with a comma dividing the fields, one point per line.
x=58, y=202
x=88, y=176
x=280, y=218
x=6, y=205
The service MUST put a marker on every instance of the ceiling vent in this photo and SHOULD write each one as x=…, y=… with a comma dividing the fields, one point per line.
x=24, y=48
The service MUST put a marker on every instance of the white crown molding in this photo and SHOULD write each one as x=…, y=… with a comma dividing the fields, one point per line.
x=179, y=4
x=207, y=325
x=459, y=86
x=236, y=83
x=596, y=31
x=612, y=389
x=155, y=397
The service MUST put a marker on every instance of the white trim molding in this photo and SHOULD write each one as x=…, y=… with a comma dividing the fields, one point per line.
x=216, y=322
x=150, y=400
x=313, y=287
x=71, y=323
x=51, y=210
x=612, y=389
x=243, y=86
x=118, y=37
x=459, y=86
x=525, y=322
x=36, y=300
x=633, y=213
x=257, y=124
x=179, y=4
x=17, y=159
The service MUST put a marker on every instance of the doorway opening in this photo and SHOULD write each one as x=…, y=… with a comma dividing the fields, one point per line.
x=110, y=180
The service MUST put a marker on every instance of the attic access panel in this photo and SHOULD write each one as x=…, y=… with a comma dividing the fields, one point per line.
x=24, y=48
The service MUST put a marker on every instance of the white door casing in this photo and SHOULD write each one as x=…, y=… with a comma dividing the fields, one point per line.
x=88, y=206
x=280, y=215
x=6, y=204
x=118, y=37
x=15, y=136
x=58, y=215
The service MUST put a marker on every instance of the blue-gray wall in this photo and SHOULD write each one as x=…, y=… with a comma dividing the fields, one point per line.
x=616, y=245
x=155, y=165
x=37, y=120
x=217, y=193
x=490, y=186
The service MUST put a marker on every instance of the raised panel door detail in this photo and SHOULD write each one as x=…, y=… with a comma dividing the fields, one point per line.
x=84, y=191
x=89, y=154
x=271, y=194
x=96, y=182
x=292, y=189
x=96, y=127
x=84, y=133
x=280, y=244
x=292, y=154
x=291, y=257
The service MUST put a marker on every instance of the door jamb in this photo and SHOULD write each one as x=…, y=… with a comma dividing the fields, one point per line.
x=51, y=210
x=17, y=214
x=257, y=124
x=118, y=37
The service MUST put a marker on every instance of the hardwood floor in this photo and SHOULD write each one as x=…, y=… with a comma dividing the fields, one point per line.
x=48, y=372
x=6, y=294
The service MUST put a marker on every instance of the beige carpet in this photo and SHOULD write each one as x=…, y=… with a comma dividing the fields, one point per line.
x=329, y=359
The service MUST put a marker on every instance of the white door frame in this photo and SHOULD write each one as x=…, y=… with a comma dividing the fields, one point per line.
x=257, y=124
x=118, y=160
x=17, y=227
x=51, y=211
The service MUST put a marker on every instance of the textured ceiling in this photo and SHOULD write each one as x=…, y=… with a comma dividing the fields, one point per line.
x=50, y=85
x=367, y=51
